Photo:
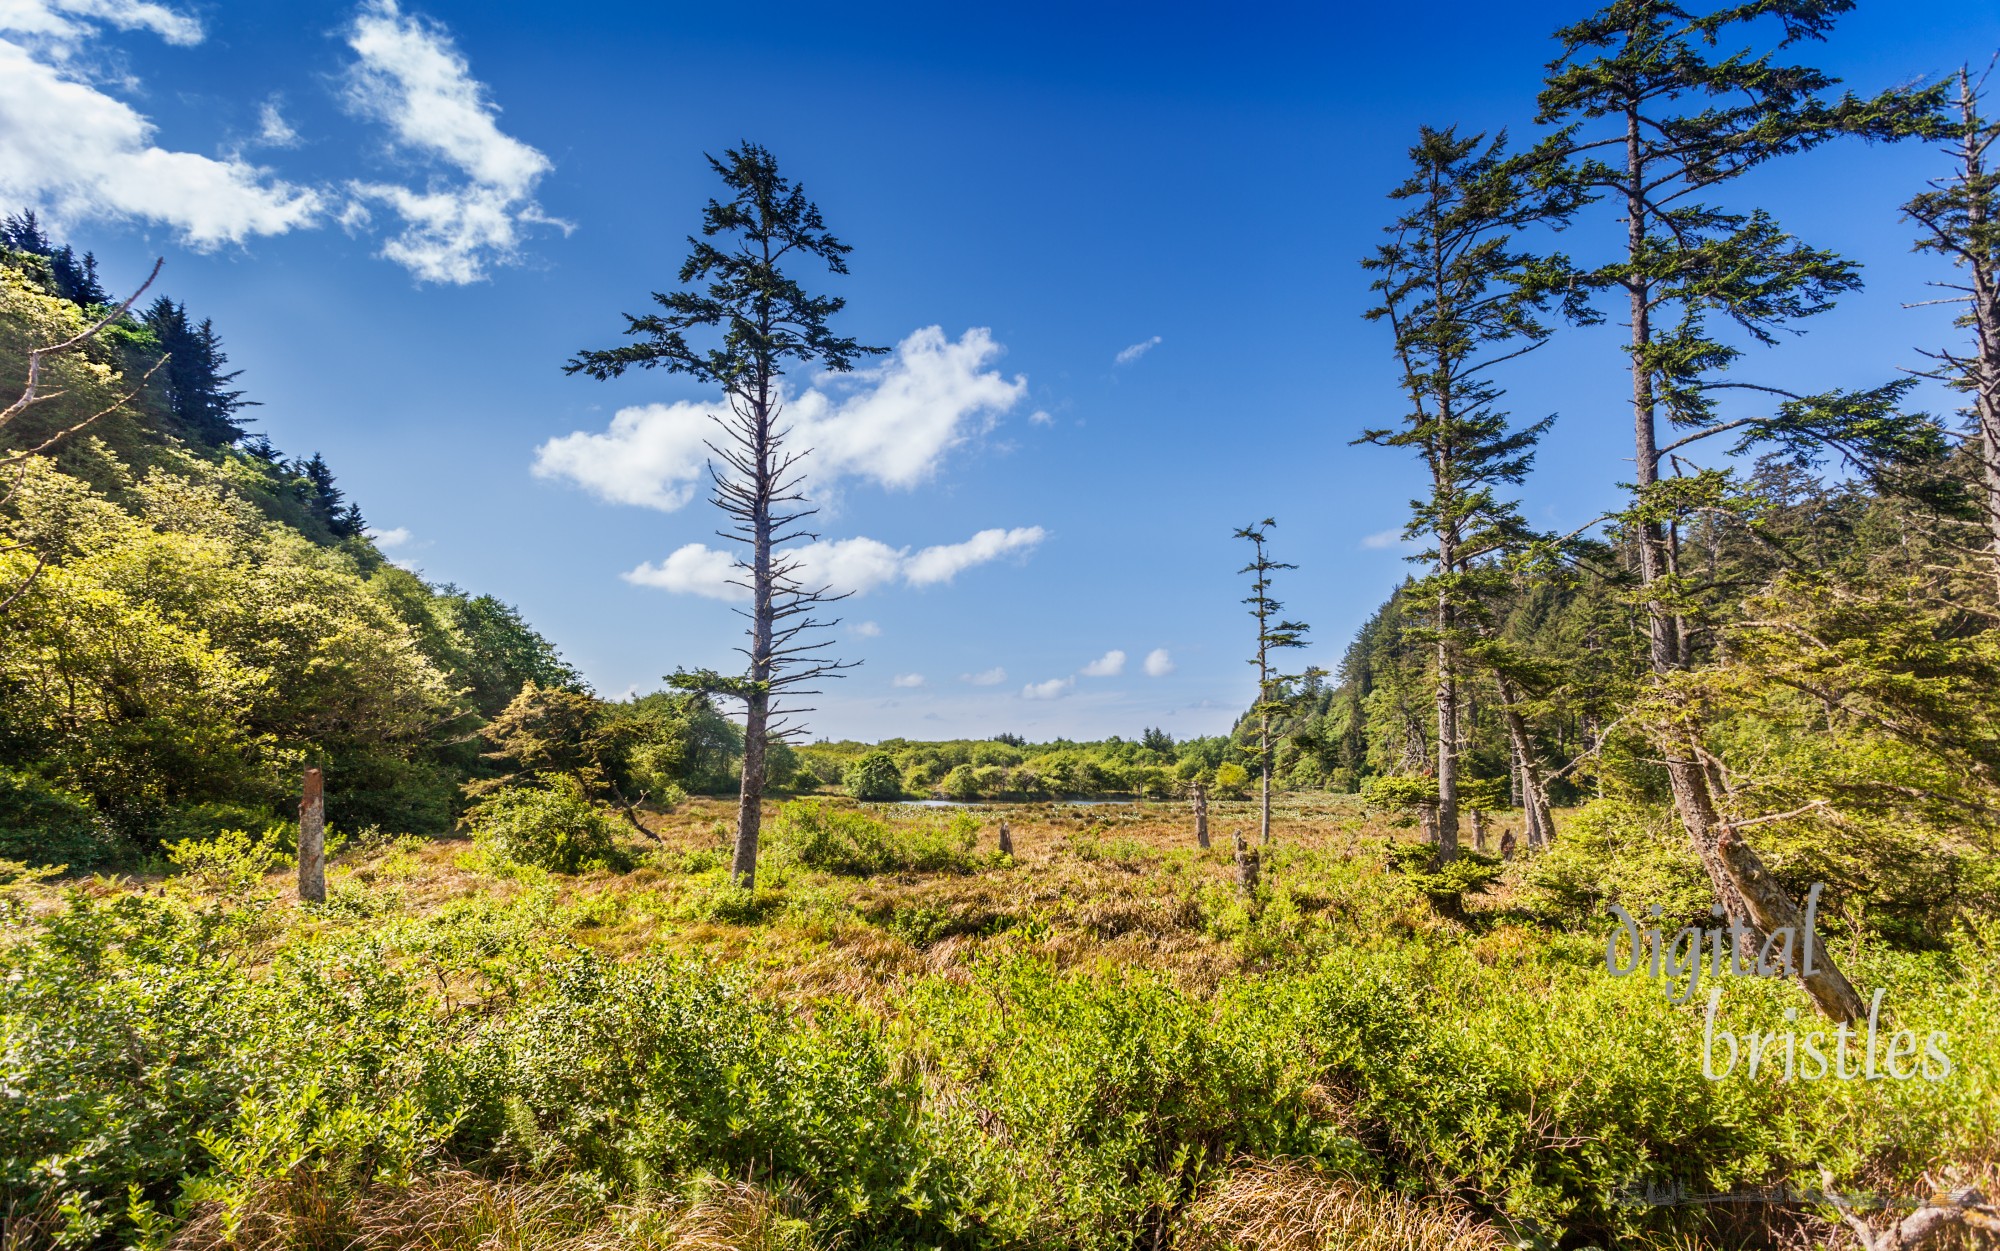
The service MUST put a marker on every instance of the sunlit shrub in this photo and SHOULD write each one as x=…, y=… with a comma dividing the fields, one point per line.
x=552, y=826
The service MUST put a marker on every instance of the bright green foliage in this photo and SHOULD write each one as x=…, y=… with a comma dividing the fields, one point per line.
x=874, y=777
x=45, y=825
x=1232, y=779
x=820, y=836
x=551, y=825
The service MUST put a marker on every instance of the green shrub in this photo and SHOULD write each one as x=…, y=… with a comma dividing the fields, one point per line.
x=874, y=777
x=43, y=824
x=819, y=836
x=1447, y=884
x=1232, y=779
x=552, y=826
x=1613, y=852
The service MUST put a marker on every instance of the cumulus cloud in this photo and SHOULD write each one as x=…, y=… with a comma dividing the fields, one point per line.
x=410, y=78
x=907, y=680
x=891, y=424
x=396, y=537
x=693, y=570
x=1040, y=417
x=79, y=153
x=1109, y=665
x=846, y=566
x=865, y=629
x=1128, y=355
x=1054, y=688
x=985, y=677
x=1158, y=663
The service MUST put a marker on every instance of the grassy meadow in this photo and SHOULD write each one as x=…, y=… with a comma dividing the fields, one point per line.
x=904, y=1038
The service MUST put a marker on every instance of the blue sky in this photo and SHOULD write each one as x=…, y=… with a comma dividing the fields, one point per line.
x=1115, y=245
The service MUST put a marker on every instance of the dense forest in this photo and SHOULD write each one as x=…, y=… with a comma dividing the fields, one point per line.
x=1523, y=927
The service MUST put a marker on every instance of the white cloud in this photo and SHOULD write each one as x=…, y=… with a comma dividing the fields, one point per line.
x=1109, y=665
x=44, y=19
x=411, y=79
x=892, y=424
x=1127, y=355
x=856, y=566
x=79, y=153
x=273, y=131
x=1040, y=417
x=1382, y=540
x=907, y=680
x=985, y=677
x=943, y=563
x=865, y=629
x=390, y=538
x=1158, y=663
x=693, y=570
x=1054, y=688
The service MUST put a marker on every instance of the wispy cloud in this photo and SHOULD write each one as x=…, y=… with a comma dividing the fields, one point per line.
x=1127, y=356
x=1383, y=540
x=892, y=424
x=865, y=630
x=395, y=537
x=411, y=78
x=1040, y=417
x=1109, y=665
x=985, y=677
x=907, y=681
x=1158, y=663
x=1054, y=688
x=78, y=152
x=273, y=131
x=854, y=566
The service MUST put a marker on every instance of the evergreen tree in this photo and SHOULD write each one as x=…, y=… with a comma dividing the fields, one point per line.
x=196, y=387
x=1655, y=117
x=1273, y=633
x=764, y=321
x=324, y=500
x=1960, y=216
x=23, y=233
x=76, y=280
x=1460, y=299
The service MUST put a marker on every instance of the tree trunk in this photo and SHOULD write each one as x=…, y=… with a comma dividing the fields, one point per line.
x=1201, y=815
x=1249, y=868
x=1006, y=840
x=1746, y=890
x=1479, y=830
x=757, y=704
x=1985, y=300
x=312, y=839
x=1264, y=741
x=1447, y=707
x=1532, y=794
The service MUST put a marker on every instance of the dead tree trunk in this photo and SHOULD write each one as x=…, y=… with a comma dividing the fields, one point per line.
x=1006, y=840
x=1249, y=867
x=312, y=840
x=1201, y=815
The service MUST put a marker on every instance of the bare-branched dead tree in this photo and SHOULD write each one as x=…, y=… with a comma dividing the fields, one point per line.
x=32, y=394
x=765, y=321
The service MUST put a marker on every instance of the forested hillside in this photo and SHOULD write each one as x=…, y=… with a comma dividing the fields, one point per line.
x=192, y=617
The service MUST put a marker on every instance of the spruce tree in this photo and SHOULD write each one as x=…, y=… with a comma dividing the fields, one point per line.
x=196, y=387
x=1460, y=298
x=1273, y=633
x=759, y=322
x=1655, y=119
x=1960, y=217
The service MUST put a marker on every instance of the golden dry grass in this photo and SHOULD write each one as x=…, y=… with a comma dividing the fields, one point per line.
x=454, y=1210
x=1281, y=1206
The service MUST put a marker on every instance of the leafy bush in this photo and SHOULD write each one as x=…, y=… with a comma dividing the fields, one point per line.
x=874, y=777
x=43, y=824
x=1445, y=884
x=819, y=836
x=1232, y=779
x=551, y=826
x=1614, y=852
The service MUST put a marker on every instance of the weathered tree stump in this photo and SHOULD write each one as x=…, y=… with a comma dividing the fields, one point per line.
x=1201, y=815
x=312, y=840
x=1249, y=865
x=1507, y=845
x=1006, y=840
x=1478, y=829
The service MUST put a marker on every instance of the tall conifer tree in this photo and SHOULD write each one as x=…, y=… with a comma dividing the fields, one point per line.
x=764, y=322
x=1274, y=632
x=1460, y=298
x=1656, y=120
